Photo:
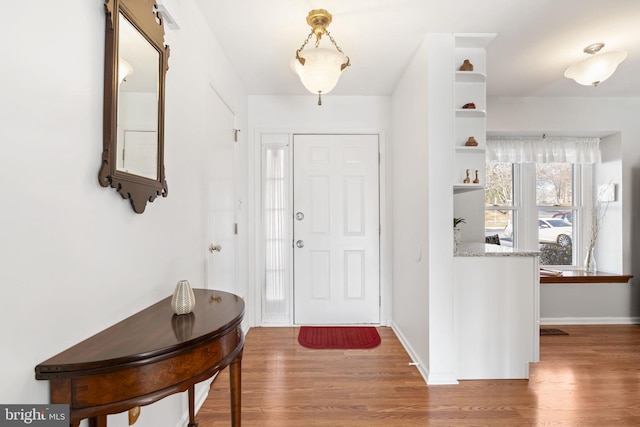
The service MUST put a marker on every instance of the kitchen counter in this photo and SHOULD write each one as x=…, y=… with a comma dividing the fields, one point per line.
x=483, y=249
x=496, y=311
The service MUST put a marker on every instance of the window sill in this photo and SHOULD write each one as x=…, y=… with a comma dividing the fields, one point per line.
x=579, y=276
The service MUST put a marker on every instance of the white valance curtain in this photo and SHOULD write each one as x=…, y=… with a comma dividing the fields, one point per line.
x=522, y=149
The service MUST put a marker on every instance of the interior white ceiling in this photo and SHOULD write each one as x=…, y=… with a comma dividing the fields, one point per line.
x=536, y=41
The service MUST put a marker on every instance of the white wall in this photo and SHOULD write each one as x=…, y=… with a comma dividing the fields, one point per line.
x=588, y=116
x=423, y=209
x=75, y=257
x=589, y=303
x=608, y=252
x=338, y=114
x=410, y=210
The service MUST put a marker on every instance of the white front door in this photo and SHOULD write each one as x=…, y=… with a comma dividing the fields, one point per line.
x=336, y=229
x=221, y=190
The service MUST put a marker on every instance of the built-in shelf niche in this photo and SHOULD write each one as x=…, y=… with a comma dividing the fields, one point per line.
x=470, y=87
x=470, y=77
x=470, y=112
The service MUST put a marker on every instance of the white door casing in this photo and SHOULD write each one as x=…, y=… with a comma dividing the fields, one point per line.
x=221, y=192
x=336, y=229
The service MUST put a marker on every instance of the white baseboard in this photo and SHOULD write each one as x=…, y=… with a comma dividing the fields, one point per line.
x=589, y=321
x=433, y=379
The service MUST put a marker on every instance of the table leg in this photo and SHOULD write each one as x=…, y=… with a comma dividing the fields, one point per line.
x=192, y=411
x=235, y=377
x=98, y=421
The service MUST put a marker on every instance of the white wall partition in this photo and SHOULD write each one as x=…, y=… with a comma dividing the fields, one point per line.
x=423, y=209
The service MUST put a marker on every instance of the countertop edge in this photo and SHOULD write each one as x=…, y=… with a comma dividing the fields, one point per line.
x=486, y=250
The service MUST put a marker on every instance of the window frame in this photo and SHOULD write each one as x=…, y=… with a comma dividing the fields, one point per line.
x=514, y=207
x=525, y=210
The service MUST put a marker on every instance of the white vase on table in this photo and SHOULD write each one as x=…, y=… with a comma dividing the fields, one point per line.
x=183, y=300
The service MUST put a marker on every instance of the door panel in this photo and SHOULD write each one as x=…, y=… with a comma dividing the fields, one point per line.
x=336, y=250
x=221, y=265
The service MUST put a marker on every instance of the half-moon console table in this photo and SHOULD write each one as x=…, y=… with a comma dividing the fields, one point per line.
x=149, y=356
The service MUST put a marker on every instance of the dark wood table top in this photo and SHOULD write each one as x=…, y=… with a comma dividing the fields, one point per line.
x=153, y=333
x=580, y=276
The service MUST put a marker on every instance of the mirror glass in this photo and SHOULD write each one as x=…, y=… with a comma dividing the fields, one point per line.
x=137, y=122
x=136, y=61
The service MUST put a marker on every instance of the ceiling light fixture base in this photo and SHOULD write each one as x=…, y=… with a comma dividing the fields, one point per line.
x=592, y=49
x=319, y=20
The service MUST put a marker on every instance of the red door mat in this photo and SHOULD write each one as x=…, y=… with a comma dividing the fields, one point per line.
x=339, y=337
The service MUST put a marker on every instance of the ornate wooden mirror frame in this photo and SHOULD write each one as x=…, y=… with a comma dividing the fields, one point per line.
x=139, y=20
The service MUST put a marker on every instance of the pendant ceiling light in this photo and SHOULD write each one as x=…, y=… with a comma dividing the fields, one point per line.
x=596, y=68
x=124, y=70
x=319, y=68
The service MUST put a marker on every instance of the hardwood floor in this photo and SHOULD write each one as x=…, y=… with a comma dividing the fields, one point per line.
x=590, y=377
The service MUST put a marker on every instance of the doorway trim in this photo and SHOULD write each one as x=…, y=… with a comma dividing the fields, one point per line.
x=385, y=249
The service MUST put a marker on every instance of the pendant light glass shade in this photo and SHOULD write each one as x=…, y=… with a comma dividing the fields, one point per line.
x=596, y=68
x=321, y=70
x=124, y=70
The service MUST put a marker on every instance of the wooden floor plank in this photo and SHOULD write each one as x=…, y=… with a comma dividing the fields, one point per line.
x=590, y=377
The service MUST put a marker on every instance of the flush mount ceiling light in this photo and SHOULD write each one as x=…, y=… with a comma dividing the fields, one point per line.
x=320, y=68
x=596, y=68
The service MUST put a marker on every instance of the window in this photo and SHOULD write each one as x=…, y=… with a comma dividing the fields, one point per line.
x=556, y=211
x=536, y=206
x=500, y=210
x=277, y=237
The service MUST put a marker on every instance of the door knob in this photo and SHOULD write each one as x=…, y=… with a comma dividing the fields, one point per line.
x=299, y=216
x=215, y=248
x=300, y=244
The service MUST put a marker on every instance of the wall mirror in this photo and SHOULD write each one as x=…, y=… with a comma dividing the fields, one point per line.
x=136, y=63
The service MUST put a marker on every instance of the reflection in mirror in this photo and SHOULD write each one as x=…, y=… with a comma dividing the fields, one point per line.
x=137, y=124
x=136, y=61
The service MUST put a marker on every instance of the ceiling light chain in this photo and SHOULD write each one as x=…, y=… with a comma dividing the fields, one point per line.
x=299, y=58
x=332, y=41
x=346, y=64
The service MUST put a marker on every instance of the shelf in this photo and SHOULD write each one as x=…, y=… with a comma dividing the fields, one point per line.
x=461, y=188
x=473, y=40
x=470, y=112
x=470, y=77
x=465, y=149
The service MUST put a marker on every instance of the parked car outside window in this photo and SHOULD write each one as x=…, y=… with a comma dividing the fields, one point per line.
x=550, y=230
x=568, y=215
x=555, y=230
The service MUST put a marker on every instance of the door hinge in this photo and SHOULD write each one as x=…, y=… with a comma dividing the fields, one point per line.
x=235, y=135
x=235, y=228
